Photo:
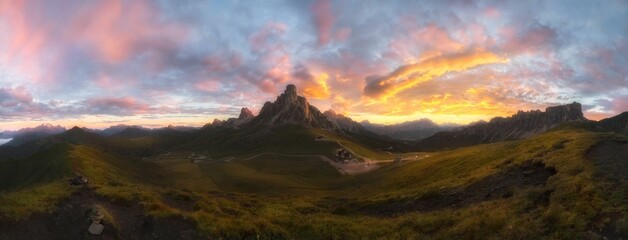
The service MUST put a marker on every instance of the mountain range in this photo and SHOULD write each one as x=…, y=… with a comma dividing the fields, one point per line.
x=518, y=126
x=294, y=172
x=420, y=135
x=27, y=134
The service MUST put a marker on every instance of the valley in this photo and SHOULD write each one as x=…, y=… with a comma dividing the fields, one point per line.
x=295, y=179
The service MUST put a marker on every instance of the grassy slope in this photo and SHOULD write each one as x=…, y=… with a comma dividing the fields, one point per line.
x=312, y=196
x=35, y=184
x=272, y=174
x=288, y=139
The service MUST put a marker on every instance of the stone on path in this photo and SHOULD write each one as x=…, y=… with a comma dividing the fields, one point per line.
x=96, y=228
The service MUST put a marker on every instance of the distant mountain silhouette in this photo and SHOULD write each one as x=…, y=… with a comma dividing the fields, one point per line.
x=131, y=132
x=518, y=126
x=411, y=130
x=115, y=129
x=344, y=123
x=27, y=134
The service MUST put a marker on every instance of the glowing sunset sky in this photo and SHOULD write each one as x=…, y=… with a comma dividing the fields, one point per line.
x=101, y=63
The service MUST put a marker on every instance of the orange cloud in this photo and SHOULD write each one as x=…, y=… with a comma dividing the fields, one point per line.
x=317, y=89
x=408, y=76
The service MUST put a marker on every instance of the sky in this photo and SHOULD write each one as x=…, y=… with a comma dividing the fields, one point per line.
x=156, y=63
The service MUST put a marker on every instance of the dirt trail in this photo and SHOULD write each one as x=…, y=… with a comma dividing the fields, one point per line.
x=350, y=168
x=343, y=168
x=72, y=218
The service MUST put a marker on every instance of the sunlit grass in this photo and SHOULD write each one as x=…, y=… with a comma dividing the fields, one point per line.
x=276, y=197
x=20, y=204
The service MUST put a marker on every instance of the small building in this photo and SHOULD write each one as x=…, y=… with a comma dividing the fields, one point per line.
x=344, y=155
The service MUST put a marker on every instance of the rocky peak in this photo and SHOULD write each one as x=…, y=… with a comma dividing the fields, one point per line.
x=217, y=122
x=291, y=108
x=291, y=92
x=245, y=113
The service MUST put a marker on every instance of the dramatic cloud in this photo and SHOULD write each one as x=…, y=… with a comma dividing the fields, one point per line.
x=409, y=76
x=105, y=29
x=187, y=62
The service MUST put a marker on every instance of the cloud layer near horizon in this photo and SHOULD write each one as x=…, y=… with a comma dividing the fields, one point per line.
x=186, y=62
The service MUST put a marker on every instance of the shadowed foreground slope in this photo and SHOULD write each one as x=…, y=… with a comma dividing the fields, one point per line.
x=561, y=184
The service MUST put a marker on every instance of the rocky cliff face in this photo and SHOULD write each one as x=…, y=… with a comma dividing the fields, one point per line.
x=521, y=125
x=293, y=109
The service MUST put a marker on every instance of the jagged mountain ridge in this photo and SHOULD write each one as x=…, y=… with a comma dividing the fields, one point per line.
x=289, y=108
x=245, y=117
x=518, y=126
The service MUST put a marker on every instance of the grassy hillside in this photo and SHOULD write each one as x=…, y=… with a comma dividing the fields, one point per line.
x=564, y=184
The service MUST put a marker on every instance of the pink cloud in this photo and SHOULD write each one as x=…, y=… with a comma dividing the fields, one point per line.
x=111, y=31
x=116, y=30
x=492, y=12
x=323, y=20
x=342, y=34
x=267, y=85
x=535, y=40
x=116, y=106
x=208, y=85
x=24, y=43
x=426, y=41
x=437, y=38
x=261, y=40
x=620, y=104
x=275, y=63
x=11, y=97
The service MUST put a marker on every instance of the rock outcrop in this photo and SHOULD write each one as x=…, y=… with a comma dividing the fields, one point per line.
x=289, y=108
x=521, y=125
